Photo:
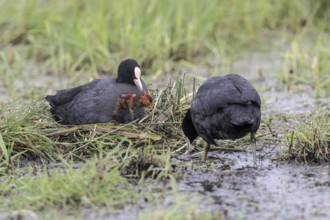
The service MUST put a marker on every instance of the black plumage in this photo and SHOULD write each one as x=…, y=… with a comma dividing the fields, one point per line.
x=95, y=102
x=225, y=107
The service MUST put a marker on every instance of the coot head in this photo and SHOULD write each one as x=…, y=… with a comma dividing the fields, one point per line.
x=129, y=71
x=189, y=128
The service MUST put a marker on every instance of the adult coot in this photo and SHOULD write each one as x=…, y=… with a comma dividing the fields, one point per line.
x=95, y=102
x=225, y=107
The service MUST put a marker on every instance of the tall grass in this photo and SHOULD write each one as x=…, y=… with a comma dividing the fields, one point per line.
x=72, y=35
x=76, y=41
x=308, y=65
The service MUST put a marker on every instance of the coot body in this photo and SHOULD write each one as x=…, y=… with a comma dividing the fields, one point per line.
x=225, y=107
x=95, y=101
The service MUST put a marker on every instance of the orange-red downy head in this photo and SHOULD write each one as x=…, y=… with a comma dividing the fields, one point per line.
x=146, y=99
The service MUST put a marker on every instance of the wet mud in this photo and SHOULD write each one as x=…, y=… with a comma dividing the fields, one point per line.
x=232, y=187
x=270, y=190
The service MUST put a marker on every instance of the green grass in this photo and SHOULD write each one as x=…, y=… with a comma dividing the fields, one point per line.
x=76, y=41
x=71, y=35
x=309, y=142
x=308, y=65
x=97, y=183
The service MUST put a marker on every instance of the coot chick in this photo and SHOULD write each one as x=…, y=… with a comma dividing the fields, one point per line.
x=145, y=100
x=139, y=106
x=95, y=102
x=128, y=109
x=123, y=112
x=225, y=107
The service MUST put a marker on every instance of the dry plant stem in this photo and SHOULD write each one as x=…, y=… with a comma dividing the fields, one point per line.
x=205, y=152
x=254, y=147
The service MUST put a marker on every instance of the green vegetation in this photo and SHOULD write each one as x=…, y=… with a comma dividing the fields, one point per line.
x=47, y=45
x=71, y=35
x=308, y=67
x=79, y=39
x=310, y=141
x=97, y=183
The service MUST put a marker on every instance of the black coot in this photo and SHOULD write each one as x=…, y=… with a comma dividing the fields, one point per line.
x=225, y=107
x=95, y=102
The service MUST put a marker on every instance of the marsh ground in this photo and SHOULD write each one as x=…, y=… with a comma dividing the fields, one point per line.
x=49, y=171
x=230, y=187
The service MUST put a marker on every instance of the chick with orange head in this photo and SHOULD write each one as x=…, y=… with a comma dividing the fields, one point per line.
x=144, y=101
x=123, y=112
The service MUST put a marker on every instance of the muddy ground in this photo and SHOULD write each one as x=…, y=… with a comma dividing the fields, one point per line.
x=231, y=187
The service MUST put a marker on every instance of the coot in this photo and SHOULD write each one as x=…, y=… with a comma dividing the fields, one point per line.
x=141, y=103
x=225, y=107
x=123, y=112
x=128, y=108
x=95, y=102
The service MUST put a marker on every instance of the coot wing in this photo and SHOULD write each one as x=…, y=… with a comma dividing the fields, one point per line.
x=94, y=103
x=219, y=92
x=64, y=96
x=248, y=92
x=211, y=100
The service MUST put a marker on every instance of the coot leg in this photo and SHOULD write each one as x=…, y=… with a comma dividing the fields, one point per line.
x=206, y=150
x=254, y=146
